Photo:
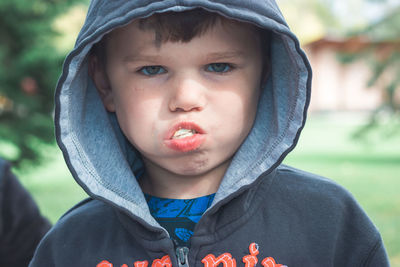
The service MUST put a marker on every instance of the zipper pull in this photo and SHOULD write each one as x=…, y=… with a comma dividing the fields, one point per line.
x=182, y=256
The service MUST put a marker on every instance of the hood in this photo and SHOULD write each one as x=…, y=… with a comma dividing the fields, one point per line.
x=104, y=163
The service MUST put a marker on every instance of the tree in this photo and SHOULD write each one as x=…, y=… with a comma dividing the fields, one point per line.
x=383, y=57
x=29, y=68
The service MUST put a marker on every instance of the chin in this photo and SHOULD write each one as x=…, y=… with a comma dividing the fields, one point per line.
x=193, y=167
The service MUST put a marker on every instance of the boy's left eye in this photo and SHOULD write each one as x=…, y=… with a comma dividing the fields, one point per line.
x=218, y=67
x=152, y=70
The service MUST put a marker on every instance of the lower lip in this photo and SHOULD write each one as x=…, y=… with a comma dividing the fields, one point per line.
x=186, y=144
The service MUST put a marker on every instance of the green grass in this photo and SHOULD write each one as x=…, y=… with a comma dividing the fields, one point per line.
x=52, y=186
x=370, y=170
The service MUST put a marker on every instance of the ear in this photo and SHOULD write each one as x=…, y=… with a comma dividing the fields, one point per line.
x=99, y=76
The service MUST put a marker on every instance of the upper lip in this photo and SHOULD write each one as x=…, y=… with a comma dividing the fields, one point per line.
x=184, y=125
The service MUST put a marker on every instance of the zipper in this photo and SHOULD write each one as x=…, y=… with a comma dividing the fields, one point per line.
x=182, y=256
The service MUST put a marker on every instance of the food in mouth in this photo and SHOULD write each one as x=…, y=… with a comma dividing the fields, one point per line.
x=185, y=137
x=183, y=133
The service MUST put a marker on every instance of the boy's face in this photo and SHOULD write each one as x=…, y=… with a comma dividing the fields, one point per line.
x=186, y=107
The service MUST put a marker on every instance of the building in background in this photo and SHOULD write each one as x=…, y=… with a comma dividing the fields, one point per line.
x=343, y=87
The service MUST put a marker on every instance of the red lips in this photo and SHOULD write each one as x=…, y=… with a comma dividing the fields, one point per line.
x=188, y=143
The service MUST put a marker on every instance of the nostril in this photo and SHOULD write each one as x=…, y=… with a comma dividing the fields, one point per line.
x=186, y=104
x=187, y=94
x=179, y=109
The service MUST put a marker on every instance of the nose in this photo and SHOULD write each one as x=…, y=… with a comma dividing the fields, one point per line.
x=187, y=94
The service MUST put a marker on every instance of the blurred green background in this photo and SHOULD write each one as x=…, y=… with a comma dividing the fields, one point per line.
x=357, y=146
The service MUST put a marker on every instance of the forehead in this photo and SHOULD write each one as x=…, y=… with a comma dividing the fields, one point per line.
x=225, y=32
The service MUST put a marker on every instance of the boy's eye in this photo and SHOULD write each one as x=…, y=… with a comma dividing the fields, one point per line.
x=152, y=70
x=218, y=67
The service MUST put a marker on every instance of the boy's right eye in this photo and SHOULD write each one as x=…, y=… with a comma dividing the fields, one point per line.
x=152, y=70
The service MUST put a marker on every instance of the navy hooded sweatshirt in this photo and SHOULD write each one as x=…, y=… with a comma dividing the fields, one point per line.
x=263, y=213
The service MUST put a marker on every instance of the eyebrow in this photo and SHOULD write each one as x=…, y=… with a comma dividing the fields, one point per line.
x=215, y=56
x=225, y=55
x=132, y=58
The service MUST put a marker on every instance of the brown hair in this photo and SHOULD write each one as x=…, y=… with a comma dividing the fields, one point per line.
x=182, y=27
x=179, y=26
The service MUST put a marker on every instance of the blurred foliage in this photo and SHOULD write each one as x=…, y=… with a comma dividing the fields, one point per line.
x=309, y=19
x=29, y=67
x=382, y=55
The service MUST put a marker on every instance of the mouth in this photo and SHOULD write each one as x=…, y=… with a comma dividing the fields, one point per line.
x=183, y=133
x=184, y=130
x=185, y=137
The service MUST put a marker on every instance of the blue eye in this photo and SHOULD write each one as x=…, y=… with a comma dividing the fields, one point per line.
x=219, y=67
x=152, y=70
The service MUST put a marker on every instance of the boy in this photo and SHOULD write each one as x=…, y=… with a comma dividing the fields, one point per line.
x=175, y=116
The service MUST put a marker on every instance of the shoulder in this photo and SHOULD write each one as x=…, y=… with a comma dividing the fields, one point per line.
x=77, y=231
x=4, y=171
x=88, y=215
x=16, y=203
x=316, y=195
x=3, y=164
x=327, y=213
x=21, y=224
x=309, y=186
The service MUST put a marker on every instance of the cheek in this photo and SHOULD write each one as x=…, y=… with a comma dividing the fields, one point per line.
x=238, y=100
x=136, y=112
x=236, y=112
x=138, y=125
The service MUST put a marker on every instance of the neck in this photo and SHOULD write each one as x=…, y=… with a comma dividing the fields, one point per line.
x=164, y=184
